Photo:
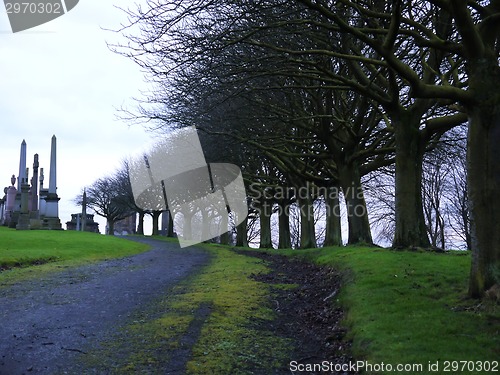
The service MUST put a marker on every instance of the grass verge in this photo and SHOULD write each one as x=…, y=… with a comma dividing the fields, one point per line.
x=402, y=307
x=209, y=325
x=410, y=308
x=51, y=250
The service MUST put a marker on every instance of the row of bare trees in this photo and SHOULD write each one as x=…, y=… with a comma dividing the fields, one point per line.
x=318, y=95
x=444, y=202
x=111, y=197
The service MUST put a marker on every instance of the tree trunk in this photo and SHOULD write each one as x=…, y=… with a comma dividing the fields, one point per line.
x=466, y=228
x=357, y=213
x=410, y=228
x=140, y=225
x=170, y=224
x=307, y=231
x=224, y=237
x=111, y=227
x=284, y=225
x=205, y=225
x=241, y=234
x=265, y=225
x=333, y=232
x=156, y=216
x=483, y=175
x=187, y=229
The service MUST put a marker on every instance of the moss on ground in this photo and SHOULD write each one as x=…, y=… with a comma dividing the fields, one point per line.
x=227, y=307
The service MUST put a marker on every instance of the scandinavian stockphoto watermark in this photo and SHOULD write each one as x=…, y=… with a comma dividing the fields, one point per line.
x=204, y=198
x=24, y=15
x=331, y=197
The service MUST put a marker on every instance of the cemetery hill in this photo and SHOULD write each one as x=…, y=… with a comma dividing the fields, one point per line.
x=359, y=141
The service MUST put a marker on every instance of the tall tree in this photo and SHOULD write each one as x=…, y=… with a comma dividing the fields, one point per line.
x=414, y=59
x=475, y=42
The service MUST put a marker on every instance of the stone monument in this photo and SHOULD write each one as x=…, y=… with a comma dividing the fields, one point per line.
x=23, y=221
x=42, y=193
x=84, y=210
x=76, y=223
x=31, y=206
x=51, y=219
x=2, y=206
x=14, y=217
x=10, y=200
x=33, y=197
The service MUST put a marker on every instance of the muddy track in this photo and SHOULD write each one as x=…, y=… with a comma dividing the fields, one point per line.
x=45, y=324
x=308, y=313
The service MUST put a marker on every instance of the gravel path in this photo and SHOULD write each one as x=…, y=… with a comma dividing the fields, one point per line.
x=45, y=323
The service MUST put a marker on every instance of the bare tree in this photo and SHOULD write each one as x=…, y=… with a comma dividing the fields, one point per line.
x=434, y=184
x=381, y=203
x=457, y=205
x=105, y=199
x=429, y=65
x=475, y=42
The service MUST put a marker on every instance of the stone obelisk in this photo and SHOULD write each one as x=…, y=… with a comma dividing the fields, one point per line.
x=51, y=220
x=20, y=180
x=84, y=210
x=22, y=165
x=34, y=198
x=34, y=187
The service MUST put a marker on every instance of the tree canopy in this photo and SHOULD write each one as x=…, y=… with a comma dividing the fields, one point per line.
x=316, y=94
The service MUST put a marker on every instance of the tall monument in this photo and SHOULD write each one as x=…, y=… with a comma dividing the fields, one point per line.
x=84, y=210
x=20, y=180
x=51, y=219
x=34, y=187
x=22, y=166
x=31, y=206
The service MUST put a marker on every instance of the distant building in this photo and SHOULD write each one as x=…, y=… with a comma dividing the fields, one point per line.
x=125, y=226
x=76, y=223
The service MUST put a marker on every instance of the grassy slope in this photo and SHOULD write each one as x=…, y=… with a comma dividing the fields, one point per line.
x=57, y=249
x=410, y=307
x=403, y=307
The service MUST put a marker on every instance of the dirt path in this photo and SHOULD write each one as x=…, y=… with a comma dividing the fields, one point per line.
x=308, y=314
x=45, y=323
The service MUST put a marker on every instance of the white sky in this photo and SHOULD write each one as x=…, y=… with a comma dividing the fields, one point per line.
x=60, y=78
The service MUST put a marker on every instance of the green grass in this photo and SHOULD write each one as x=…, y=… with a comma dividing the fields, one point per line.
x=410, y=307
x=50, y=250
x=402, y=307
x=230, y=340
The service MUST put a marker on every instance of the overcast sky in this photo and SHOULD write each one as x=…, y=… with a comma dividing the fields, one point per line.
x=60, y=78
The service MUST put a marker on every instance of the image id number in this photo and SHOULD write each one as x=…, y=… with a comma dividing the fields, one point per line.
x=33, y=8
x=470, y=366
